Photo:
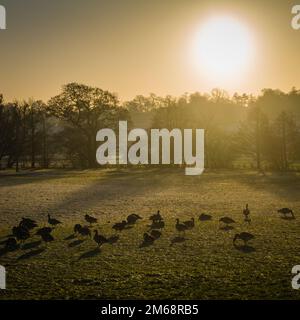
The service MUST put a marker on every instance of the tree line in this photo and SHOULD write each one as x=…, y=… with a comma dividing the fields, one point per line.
x=243, y=131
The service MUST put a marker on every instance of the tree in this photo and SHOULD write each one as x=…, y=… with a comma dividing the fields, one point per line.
x=85, y=110
x=36, y=111
x=251, y=137
x=286, y=136
x=7, y=128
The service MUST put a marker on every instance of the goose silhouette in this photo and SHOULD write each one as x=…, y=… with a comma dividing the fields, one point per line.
x=227, y=220
x=190, y=224
x=155, y=234
x=205, y=217
x=244, y=236
x=99, y=239
x=53, y=221
x=120, y=226
x=180, y=226
x=286, y=211
x=156, y=217
x=90, y=219
x=133, y=218
x=29, y=224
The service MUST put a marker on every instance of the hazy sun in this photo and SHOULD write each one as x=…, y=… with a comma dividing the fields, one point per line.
x=223, y=48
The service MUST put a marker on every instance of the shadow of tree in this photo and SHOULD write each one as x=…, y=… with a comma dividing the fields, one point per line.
x=283, y=185
x=115, y=180
x=29, y=176
x=106, y=184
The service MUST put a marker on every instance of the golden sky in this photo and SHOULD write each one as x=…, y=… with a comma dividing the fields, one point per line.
x=138, y=46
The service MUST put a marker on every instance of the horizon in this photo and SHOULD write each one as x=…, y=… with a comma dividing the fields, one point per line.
x=147, y=95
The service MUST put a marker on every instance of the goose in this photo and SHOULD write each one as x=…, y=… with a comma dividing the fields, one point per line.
x=29, y=224
x=190, y=224
x=21, y=233
x=247, y=219
x=119, y=226
x=226, y=220
x=44, y=231
x=90, y=219
x=45, y=234
x=155, y=234
x=133, y=218
x=148, y=239
x=205, y=217
x=285, y=211
x=99, y=239
x=77, y=228
x=180, y=226
x=245, y=236
x=46, y=237
x=156, y=217
x=28, y=220
x=84, y=231
x=157, y=225
x=246, y=211
x=53, y=221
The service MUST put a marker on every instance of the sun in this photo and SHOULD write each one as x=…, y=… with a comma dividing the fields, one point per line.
x=223, y=48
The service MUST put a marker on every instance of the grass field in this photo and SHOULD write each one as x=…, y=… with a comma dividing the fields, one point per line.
x=205, y=266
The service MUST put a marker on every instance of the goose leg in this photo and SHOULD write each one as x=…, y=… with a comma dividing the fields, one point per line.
x=292, y=214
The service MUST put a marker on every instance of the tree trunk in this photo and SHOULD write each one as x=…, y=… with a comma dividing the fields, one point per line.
x=32, y=141
x=45, y=150
x=258, y=143
x=17, y=144
x=284, y=147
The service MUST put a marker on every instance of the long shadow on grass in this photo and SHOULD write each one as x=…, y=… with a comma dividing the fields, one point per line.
x=109, y=187
x=113, y=239
x=31, y=254
x=31, y=245
x=6, y=249
x=288, y=218
x=75, y=243
x=177, y=240
x=70, y=237
x=146, y=244
x=3, y=251
x=245, y=248
x=27, y=177
x=226, y=228
x=90, y=254
x=284, y=185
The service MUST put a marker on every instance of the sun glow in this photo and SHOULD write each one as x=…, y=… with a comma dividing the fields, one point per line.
x=223, y=49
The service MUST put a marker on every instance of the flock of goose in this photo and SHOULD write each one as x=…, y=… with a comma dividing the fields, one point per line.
x=25, y=229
